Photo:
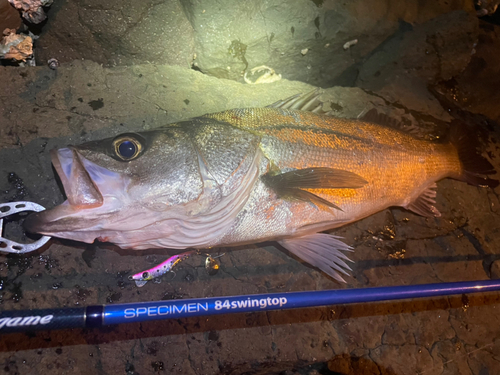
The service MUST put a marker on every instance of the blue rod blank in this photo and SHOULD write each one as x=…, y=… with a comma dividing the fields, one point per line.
x=144, y=311
x=96, y=316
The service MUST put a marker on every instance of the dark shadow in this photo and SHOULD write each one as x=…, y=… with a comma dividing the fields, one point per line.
x=341, y=364
x=349, y=76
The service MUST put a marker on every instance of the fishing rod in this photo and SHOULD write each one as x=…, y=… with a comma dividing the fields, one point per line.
x=101, y=315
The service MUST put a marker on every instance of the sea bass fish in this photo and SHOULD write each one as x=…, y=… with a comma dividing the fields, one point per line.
x=251, y=175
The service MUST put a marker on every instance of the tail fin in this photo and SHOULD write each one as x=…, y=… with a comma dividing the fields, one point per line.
x=475, y=166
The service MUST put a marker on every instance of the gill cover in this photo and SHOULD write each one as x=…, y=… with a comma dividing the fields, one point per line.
x=176, y=187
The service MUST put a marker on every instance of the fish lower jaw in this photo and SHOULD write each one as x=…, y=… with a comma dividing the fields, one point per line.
x=66, y=219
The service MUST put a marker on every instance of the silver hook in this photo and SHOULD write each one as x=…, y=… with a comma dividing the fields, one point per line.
x=8, y=246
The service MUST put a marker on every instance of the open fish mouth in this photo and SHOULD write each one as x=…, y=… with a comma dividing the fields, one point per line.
x=77, y=175
x=86, y=186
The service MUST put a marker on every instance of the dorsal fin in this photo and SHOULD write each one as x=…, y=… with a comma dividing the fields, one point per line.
x=301, y=102
x=375, y=117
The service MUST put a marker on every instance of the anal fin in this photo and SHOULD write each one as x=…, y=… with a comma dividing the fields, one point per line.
x=324, y=251
x=424, y=204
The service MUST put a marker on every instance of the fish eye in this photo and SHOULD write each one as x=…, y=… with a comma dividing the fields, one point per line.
x=145, y=275
x=127, y=148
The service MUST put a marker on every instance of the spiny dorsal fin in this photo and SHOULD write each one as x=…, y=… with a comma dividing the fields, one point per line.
x=289, y=185
x=301, y=102
x=424, y=204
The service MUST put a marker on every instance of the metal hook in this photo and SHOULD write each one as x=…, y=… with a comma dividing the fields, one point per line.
x=8, y=246
x=212, y=265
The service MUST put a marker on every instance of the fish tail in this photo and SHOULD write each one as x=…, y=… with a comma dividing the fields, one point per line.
x=475, y=167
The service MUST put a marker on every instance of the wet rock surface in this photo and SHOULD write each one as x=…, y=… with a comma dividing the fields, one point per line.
x=117, y=33
x=42, y=109
x=301, y=39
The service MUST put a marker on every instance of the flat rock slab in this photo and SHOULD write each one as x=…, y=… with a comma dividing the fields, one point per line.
x=43, y=109
x=301, y=39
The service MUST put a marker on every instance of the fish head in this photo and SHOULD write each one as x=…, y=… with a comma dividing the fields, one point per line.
x=117, y=186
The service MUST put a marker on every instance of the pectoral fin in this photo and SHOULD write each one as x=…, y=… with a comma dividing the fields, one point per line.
x=305, y=196
x=316, y=178
x=323, y=251
x=424, y=204
x=290, y=184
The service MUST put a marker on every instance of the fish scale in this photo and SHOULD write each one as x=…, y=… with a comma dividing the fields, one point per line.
x=398, y=166
x=225, y=151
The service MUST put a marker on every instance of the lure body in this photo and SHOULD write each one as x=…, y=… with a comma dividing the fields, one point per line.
x=143, y=277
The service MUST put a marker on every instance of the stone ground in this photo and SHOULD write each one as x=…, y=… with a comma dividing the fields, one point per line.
x=41, y=109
